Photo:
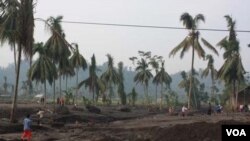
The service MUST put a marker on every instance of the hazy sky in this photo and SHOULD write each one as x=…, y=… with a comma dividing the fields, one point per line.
x=124, y=42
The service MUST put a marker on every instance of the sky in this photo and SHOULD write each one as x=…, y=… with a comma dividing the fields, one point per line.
x=124, y=42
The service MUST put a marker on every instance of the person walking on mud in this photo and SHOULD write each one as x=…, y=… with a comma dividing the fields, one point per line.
x=26, y=128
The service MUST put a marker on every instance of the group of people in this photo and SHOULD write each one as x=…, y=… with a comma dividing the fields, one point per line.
x=60, y=101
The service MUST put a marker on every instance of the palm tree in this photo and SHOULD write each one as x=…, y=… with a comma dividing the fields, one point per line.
x=77, y=60
x=23, y=34
x=155, y=65
x=185, y=85
x=232, y=70
x=213, y=72
x=93, y=82
x=57, y=46
x=162, y=77
x=9, y=24
x=110, y=76
x=121, y=91
x=192, y=41
x=143, y=75
x=43, y=69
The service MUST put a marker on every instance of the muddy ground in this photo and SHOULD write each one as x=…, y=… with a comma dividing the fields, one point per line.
x=111, y=124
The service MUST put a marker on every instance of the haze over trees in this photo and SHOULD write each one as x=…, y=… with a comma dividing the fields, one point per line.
x=58, y=58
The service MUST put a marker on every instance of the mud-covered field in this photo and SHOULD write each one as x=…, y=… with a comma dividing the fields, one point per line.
x=115, y=123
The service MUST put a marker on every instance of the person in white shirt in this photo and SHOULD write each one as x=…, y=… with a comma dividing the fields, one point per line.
x=184, y=110
x=40, y=113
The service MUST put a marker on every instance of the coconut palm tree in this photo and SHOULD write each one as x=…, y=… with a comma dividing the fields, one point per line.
x=121, y=91
x=232, y=71
x=143, y=75
x=185, y=85
x=155, y=65
x=110, y=76
x=162, y=77
x=23, y=34
x=57, y=46
x=93, y=82
x=213, y=72
x=43, y=69
x=8, y=25
x=78, y=61
x=192, y=41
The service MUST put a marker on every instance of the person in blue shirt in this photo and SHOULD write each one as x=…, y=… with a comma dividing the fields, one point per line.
x=27, y=128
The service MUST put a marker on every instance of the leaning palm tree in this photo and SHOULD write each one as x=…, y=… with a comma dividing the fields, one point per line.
x=57, y=46
x=192, y=41
x=110, y=76
x=213, y=72
x=43, y=69
x=232, y=71
x=162, y=77
x=143, y=75
x=78, y=61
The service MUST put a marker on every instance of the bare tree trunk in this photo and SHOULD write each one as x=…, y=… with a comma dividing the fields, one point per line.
x=236, y=99
x=29, y=79
x=191, y=78
x=66, y=85
x=13, y=108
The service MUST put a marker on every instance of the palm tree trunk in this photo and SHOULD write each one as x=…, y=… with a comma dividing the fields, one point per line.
x=233, y=95
x=45, y=94
x=13, y=108
x=236, y=99
x=66, y=85
x=156, y=94
x=191, y=78
x=60, y=86
x=76, y=94
x=29, y=79
x=54, y=94
x=161, y=95
x=14, y=46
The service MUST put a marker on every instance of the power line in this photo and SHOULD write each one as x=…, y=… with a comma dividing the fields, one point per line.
x=144, y=26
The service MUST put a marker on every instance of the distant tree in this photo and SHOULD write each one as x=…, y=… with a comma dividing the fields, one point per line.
x=192, y=41
x=132, y=97
x=43, y=69
x=110, y=76
x=162, y=77
x=121, y=91
x=143, y=75
x=78, y=61
x=213, y=72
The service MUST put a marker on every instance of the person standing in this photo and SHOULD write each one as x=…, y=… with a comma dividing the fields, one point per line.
x=26, y=128
x=184, y=110
x=40, y=114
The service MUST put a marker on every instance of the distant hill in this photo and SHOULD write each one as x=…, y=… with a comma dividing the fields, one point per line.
x=129, y=74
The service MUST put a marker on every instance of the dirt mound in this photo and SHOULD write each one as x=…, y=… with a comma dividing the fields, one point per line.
x=63, y=110
x=194, y=131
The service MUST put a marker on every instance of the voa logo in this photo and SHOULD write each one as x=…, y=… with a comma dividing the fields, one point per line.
x=236, y=132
